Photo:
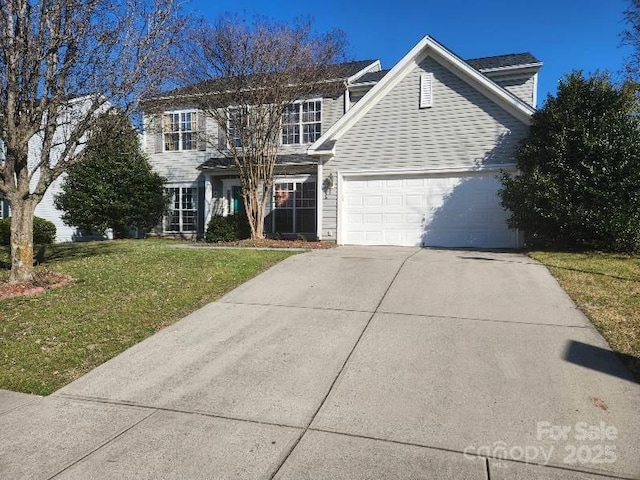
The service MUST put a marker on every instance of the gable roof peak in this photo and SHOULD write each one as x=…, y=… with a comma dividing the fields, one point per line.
x=428, y=46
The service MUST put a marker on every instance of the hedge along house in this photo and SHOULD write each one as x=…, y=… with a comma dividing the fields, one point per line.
x=407, y=156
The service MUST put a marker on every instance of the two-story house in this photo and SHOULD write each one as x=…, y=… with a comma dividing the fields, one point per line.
x=406, y=156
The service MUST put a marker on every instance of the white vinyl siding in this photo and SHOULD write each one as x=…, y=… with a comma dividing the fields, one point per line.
x=176, y=166
x=47, y=210
x=521, y=87
x=463, y=129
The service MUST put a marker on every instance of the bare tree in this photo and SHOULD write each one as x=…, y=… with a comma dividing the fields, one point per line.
x=631, y=38
x=245, y=75
x=61, y=63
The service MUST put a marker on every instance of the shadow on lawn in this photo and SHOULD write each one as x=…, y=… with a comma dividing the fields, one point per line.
x=44, y=254
x=603, y=360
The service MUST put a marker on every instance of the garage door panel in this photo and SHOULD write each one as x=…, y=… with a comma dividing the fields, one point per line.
x=393, y=200
x=391, y=219
x=353, y=200
x=438, y=210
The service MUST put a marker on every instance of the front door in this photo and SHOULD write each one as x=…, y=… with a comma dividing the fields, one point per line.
x=237, y=203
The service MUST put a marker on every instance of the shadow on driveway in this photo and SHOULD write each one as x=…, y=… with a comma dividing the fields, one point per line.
x=600, y=359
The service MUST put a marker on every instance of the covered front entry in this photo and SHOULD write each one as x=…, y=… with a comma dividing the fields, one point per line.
x=439, y=210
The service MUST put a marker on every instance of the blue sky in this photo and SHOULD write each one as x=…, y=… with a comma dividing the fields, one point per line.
x=564, y=34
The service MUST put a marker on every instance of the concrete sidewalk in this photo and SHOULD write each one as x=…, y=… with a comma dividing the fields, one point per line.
x=352, y=363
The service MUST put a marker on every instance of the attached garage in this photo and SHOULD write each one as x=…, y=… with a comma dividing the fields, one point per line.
x=438, y=210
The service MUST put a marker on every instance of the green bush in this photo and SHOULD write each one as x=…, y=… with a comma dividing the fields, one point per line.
x=578, y=178
x=227, y=229
x=44, y=232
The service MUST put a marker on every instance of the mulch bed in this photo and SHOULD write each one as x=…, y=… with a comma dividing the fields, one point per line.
x=41, y=282
x=274, y=243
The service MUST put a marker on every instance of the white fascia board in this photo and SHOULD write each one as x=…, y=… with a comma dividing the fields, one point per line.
x=426, y=46
x=314, y=152
x=507, y=167
x=373, y=67
x=513, y=68
x=361, y=86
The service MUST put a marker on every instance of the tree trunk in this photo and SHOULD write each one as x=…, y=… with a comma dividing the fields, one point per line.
x=255, y=214
x=22, y=213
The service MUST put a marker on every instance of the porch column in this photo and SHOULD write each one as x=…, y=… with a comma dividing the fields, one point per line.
x=208, y=200
x=319, y=184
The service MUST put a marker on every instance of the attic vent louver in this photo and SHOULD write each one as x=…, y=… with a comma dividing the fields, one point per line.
x=426, y=90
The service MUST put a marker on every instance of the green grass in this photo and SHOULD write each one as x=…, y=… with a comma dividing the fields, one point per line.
x=124, y=291
x=606, y=287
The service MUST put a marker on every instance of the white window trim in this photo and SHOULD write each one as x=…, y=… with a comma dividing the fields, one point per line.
x=300, y=122
x=166, y=222
x=194, y=140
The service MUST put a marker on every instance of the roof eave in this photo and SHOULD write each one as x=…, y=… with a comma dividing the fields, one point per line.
x=513, y=68
x=367, y=69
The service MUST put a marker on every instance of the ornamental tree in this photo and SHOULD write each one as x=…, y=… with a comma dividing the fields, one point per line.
x=579, y=169
x=245, y=75
x=62, y=62
x=113, y=186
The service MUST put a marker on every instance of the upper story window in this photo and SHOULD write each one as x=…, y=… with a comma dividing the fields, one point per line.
x=235, y=125
x=180, y=131
x=302, y=122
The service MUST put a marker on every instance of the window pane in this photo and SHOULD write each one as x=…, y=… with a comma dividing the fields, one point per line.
x=187, y=142
x=305, y=220
x=311, y=133
x=189, y=221
x=174, y=221
x=179, y=129
x=235, y=127
x=311, y=112
x=184, y=213
x=284, y=195
x=290, y=134
x=291, y=114
x=306, y=195
x=283, y=219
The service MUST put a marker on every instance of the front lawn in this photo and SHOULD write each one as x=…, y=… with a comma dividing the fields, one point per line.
x=606, y=287
x=123, y=292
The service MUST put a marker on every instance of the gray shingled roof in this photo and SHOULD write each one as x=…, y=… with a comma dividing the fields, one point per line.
x=338, y=72
x=371, y=77
x=502, y=61
x=498, y=61
x=282, y=160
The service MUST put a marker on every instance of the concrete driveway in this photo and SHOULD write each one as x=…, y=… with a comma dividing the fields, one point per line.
x=353, y=363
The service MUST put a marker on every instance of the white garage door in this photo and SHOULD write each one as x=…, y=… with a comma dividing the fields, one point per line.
x=459, y=210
